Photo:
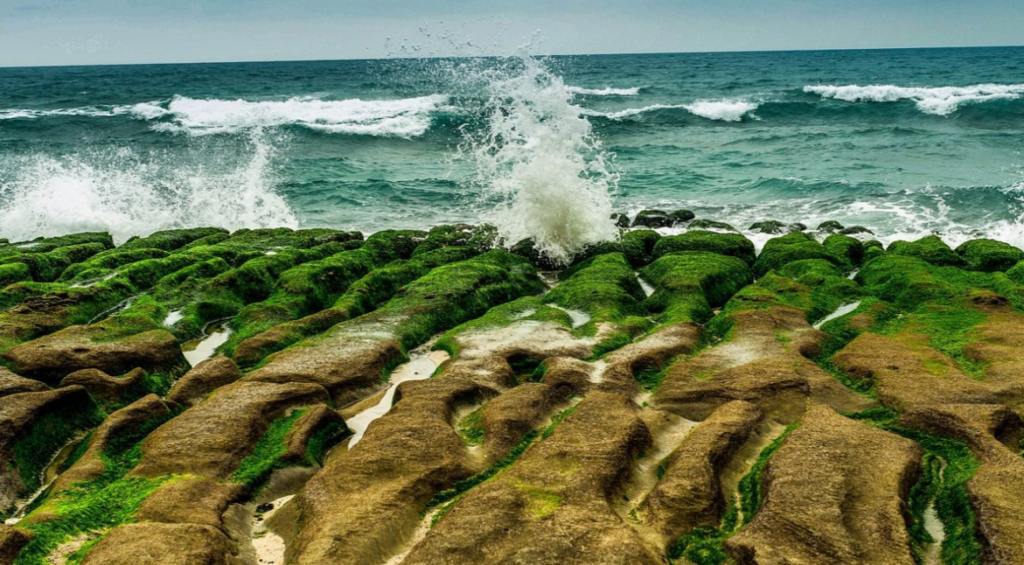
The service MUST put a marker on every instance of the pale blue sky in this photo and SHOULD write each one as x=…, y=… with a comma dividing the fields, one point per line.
x=64, y=32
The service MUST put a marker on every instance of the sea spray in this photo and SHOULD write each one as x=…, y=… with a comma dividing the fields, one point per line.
x=538, y=160
x=126, y=194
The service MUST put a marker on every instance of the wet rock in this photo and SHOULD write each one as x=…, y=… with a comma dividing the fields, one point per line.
x=773, y=227
x=621, y=220
x=795, y=227
x=830, y=226
x=856, y=230
x=652, y=219
x=204, y=378
x=703, y=224
x=681, y=217
x=779, y=251
x=930, y=249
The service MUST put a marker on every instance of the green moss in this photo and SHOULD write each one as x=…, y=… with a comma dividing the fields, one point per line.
x=47, y=267
x=47, y=244
x=930, y=249
x=703, y=545
x=450, y=496
x=1016, y=273
x=732, y=244
x=637, y=246
x=849, y=250
x=989, y=255
x=479, y=238
x=103, y=264
x=97, y=505
x=780, y=251
x=471, y=429
x=51, y=432
x=14, y=272
x=266, y=455
x=872, y=249
x=948, y=466
x=169, y=240
x=605, y=287
x=322, y=440
x=689, y=284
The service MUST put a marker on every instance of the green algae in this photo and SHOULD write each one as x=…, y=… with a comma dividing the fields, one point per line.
x=732, y=244
x=930, y=249
x=989, y=255
x=51, y=432
x=780, y=251
x=266, y=456
x=689, y=284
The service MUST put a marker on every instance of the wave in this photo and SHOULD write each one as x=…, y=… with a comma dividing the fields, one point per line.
x=606, y=91
x=725, y=110
x=126, y=194
x=85, y=111
x=544, y=173
x=940, y=101
x=407, y=118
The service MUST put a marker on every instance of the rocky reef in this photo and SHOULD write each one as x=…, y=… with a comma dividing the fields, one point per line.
x=315, y=397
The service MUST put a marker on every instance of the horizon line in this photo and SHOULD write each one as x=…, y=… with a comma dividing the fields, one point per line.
x=411, y=58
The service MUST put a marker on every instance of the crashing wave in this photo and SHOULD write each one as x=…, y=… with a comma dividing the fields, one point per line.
x=606, y=91
x=940, y=101
x=725, y=110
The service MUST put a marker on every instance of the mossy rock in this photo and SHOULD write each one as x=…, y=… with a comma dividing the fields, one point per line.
x=47, y=267
x=711, y=225
x=1016, y=274
x=773, y=227
x=847, y=249
x=930, y=249
x=856, y=230
x=872, y=249
x=788, y=248
x=732, y=244
x=688, y=284
x=14, y=272
x=169, y=240
x=652, y=219
x=621, y=220
x=830, y=226
x=681, y=217
x=989, y=255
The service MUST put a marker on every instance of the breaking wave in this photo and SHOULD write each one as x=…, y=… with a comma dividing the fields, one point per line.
x=940, y=101
x=126, y=194
x=725, y=110
x=606, y=91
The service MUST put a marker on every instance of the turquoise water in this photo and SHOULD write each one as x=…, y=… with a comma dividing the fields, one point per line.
x=906, y=142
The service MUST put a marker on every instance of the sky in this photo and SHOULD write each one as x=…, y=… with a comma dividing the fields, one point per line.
x=89, y=32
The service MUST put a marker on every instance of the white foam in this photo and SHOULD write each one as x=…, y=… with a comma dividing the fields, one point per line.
x=725, y=110
x=940, y=101
x=126, y=195
x=408, y=117
x=541, y=162
x=606, y=91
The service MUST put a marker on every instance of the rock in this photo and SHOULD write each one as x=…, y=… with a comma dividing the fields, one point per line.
x=51, y=358
x=13, y=384
x=33, y=427
x=834, y=494
x=989, y=255
x=681, y=217
x=711, y=225
x=779, y=251
x=773, y=227
x=734, y=245
x=930, y=249
x=163, y=544
x=848, y=250
x=830, y=226
x=652, y=219
x=856, y=230
x=213, y=437
x=795, y=227
x=12, y=540
x=204, y=378
x=191, y=500
x=621, y=220
x=111, y=391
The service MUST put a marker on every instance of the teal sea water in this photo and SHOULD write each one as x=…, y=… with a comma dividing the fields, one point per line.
x=907, y=142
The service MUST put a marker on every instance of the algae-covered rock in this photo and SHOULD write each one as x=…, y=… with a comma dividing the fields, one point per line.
x=110, y=391
x=779, y=251
x=621, y=220
x=691, y=283
x=845, y=248
x=989, y=255
x=14, y=272
x=830, y=226
x=700, y=240
x=1016, y=273
x=14, y=384
x=872, y=249
x=652, y=219
x=203, y=379
x=12, y=540
x=773, y=227
x=705, y=224
x=930, y=249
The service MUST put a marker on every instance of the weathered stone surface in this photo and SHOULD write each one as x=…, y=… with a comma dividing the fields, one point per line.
x=110, y=390
x=163, y=544
x=834, y=494
x=53, y=357
x=12, y=540
x=203, y=379
x=13, y=384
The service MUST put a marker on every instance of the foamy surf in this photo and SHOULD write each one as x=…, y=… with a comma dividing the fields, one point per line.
x=539, y=159
x=409, y=117
x=606, y=91
x=940, y=101
x=125, y=194
x=725, y=110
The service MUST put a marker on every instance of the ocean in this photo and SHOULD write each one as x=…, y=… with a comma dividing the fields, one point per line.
x=906, y=142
